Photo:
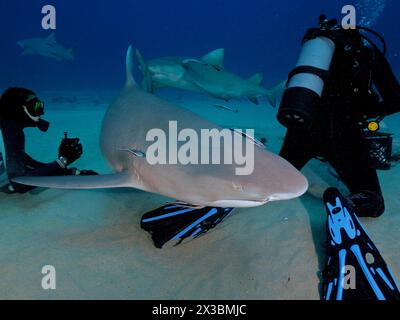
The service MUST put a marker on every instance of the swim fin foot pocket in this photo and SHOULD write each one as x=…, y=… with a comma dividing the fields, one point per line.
x=176, y=223
x=354, y=268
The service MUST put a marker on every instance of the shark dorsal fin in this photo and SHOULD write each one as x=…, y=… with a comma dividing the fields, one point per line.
x=52, y=38
x=130, y=80
x=147, y=83
x=257, y=78
x=215, y=57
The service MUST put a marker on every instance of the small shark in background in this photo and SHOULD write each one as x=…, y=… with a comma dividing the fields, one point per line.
x=222, y=84
x=206, y=75
x=46, y=47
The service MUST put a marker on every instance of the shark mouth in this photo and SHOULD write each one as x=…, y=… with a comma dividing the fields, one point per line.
x=237, y=203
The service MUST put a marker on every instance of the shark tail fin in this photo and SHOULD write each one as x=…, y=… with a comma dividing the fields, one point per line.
x=215, y=57
x=130, y=81
x=147, y=80
x=256, y=79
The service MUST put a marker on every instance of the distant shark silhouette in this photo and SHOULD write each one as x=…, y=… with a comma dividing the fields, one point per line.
x=123, y=141
x=46, y=47
x=206, y=75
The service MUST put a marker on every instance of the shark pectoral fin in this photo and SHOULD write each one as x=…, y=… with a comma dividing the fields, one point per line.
x=215, y=57
x=276, y=92
x=254, y=100
x=271, y=98
x=256, y=79
x=203, y=86
x=117, y=180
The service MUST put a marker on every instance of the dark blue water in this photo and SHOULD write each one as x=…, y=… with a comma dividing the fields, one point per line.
x=259, y=35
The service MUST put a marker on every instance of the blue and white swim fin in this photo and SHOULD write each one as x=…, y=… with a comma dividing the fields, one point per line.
x=177, y=222
x=354, y=269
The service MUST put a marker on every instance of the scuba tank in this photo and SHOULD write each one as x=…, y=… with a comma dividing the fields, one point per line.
x=306, y=82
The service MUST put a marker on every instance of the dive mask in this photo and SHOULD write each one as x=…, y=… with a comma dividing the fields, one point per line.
x=35, y=106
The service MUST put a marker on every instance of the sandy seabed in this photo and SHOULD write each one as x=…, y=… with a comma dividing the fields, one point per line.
x=93, y=238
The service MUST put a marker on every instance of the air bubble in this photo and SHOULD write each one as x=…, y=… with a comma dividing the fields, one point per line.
x=369, y=11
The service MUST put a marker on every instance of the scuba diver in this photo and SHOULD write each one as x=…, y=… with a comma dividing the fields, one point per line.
x=341, y=89
x=20, y=108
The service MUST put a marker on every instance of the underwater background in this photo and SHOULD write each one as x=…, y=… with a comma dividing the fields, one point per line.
x=258, y=35
x=93, y=237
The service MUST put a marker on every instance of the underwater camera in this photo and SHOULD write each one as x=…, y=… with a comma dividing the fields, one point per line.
x=306, y=82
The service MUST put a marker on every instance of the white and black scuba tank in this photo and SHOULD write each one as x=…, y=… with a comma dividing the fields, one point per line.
x=306, y=82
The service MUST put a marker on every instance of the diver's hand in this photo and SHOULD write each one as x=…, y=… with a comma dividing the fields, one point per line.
x=70, y=149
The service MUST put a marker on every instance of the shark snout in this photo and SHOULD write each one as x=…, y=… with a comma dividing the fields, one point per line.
x=293, y=184
x=296, y=185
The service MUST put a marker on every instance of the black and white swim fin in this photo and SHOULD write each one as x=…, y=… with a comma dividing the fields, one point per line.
x=176, y=222
x=354, y=270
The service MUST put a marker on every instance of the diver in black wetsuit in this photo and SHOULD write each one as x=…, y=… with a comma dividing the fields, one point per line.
x=20, y=108
x=358, y=86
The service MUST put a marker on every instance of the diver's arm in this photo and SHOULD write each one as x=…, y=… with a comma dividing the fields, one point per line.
x=387, y=84
x=30, y=162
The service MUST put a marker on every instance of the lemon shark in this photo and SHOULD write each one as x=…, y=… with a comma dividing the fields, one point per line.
x=46, y=47
x=132, y=114
x=207, y=76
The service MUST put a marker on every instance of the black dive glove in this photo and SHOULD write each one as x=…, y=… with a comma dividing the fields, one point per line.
x=70, y=150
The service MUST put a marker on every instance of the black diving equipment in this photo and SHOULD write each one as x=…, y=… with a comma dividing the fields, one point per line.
x=34, y=109
x=43, y=125
x=379, y=146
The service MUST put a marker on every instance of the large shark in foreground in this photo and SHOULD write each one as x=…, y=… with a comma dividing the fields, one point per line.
x=206, y=75
x=123, y=142
x=46, y=47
